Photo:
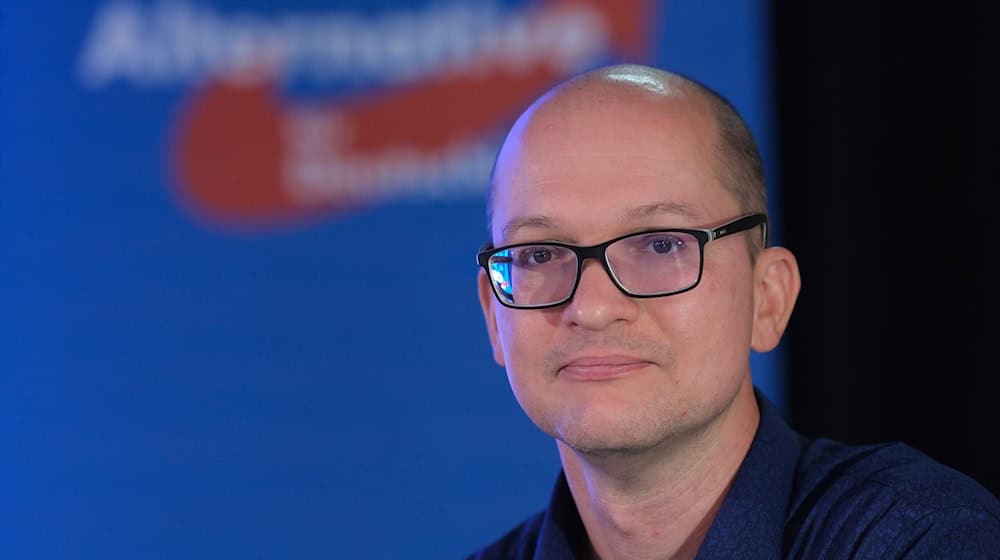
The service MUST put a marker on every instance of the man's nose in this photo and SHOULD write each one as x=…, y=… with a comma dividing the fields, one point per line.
x=598, y=303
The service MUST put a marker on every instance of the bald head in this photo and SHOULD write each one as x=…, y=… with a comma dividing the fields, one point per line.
x=632, y=89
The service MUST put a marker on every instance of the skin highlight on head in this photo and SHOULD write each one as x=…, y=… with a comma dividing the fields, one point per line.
x=650, y=400
x=739, y=162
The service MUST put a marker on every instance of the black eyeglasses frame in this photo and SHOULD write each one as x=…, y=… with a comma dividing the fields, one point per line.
x=599, y=252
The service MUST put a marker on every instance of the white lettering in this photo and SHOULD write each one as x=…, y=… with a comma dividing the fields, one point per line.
x=174, y=43
x=318, y=170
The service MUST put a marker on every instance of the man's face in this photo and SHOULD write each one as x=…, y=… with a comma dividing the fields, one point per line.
x=607, y=372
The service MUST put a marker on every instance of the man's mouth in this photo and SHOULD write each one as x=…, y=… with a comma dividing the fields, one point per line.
x=601, y=368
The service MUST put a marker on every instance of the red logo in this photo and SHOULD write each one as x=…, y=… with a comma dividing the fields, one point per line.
x=245, y=155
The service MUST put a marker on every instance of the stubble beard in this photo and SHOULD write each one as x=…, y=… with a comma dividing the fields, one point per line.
x=653, y=420
x=639, y=431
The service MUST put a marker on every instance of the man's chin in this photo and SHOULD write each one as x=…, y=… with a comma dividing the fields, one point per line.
x=609, y=444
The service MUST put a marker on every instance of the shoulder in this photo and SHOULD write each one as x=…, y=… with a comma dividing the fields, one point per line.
x=884, y=500
x=519, y=543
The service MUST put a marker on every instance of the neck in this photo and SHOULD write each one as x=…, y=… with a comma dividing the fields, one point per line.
x=660, y=503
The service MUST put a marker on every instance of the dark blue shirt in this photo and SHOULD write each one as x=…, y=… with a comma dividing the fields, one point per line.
x=795, y=497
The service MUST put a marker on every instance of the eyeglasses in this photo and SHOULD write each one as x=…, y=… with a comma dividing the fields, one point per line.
x=646, y=264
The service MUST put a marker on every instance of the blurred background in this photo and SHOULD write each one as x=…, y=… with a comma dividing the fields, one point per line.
x=238, y=313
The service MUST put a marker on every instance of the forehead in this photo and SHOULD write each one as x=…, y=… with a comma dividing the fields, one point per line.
x=596, y=165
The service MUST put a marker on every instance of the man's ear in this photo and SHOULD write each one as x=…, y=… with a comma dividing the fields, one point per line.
x=776, y=287
x=489, y=302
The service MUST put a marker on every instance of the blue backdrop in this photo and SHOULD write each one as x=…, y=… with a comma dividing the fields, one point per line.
x=238, y=285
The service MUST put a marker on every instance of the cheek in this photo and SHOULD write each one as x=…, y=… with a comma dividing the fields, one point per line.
x=506, y=329
x=734, y=313
x=729, y=287
x=713, y=326
x=523, y=339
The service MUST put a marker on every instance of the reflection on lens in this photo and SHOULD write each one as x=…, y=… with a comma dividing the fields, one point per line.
x=656, y=263
x=533, y=275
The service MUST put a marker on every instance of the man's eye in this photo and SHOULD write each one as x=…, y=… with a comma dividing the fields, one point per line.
x=534, y=256
x=541, y=256
x=664, y=244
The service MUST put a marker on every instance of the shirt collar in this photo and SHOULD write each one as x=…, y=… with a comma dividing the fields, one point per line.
x=751, y=519
x=561, y=536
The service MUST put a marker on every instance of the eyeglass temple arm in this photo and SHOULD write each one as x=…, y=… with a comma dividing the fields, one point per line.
x=743, y=224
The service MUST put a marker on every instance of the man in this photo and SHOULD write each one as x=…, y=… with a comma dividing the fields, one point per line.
x=627, y=282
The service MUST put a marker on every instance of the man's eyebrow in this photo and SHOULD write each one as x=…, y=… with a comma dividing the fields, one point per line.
x=541, y=221
x=538, y=221
x=647, y=210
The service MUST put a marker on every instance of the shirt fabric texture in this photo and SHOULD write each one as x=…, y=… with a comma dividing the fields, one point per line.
x=797, y=497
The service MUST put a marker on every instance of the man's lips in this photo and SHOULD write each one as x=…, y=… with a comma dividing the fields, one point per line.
x=599, y=368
